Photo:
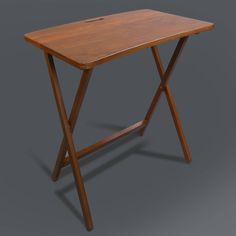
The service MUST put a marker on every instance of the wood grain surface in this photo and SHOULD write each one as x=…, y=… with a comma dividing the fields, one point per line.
x=90, y=42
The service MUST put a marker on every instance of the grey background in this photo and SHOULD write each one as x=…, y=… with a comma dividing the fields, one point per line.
x=137, y=186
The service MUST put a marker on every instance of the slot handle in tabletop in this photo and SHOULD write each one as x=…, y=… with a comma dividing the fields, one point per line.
x=96, y=19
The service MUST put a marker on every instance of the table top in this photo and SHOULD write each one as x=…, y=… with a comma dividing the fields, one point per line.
x=90, y=42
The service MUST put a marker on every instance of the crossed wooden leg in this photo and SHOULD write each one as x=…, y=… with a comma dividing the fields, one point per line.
x=72, y=121
x=164, y=86
x=68, y=126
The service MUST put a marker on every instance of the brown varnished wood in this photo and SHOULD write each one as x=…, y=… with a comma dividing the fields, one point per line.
x=88, y=43
x=171, y=104
x=82, y=153
x=69, y=140
x=72, y=119
x=178, y=125
x=164, y=80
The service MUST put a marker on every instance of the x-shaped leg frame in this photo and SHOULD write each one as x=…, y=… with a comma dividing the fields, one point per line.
x=68, y=124
x=164, y=86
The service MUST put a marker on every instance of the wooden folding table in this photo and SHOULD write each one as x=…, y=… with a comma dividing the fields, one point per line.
x=88, y=43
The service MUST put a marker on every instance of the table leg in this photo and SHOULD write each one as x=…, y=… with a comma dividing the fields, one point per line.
x=164, y=86
x=80, y=94
x=69, y=141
